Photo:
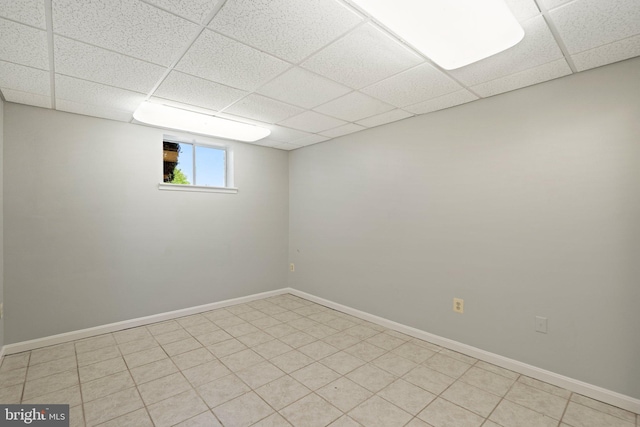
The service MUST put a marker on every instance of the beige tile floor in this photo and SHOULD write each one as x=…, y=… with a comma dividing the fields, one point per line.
x=285, y=361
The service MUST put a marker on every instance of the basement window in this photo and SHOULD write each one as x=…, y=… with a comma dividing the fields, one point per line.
x=189, y=166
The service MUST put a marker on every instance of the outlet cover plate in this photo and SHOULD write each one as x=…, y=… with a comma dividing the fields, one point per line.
x=458, y=305
x=541, y=324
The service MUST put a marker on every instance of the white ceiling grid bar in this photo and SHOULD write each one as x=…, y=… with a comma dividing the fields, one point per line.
x=310, y=64
x=52, y=68
x=294, y=65
x=404, y=43
x=206, y=24
x=213, y=13
x=556, y=35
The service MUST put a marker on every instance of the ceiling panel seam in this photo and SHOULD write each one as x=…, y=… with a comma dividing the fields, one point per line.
x=556, y=35
x=410, y=47
x=200, y=24
x=48, y=13
x=184, y=51
x=6, y=18
x=297, y=64
x=57, y=35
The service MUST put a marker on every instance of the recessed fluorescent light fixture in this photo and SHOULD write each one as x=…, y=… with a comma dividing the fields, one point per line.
x=452, y=33
x=177, y=118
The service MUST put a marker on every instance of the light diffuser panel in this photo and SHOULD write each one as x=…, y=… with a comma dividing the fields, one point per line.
x=451, y=33
x=176, y=118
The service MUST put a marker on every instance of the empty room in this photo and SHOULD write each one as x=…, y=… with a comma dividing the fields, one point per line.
x=311, y=213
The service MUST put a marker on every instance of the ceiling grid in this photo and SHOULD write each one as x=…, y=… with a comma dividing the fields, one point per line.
x=309, y=70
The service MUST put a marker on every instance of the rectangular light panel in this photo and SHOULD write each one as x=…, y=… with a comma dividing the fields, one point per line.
x=176, y=118
x=452, y=33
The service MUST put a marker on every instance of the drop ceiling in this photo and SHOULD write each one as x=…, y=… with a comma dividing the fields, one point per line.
x=309, y=70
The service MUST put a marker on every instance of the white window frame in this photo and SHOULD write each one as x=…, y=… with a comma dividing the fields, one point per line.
x=228, y=166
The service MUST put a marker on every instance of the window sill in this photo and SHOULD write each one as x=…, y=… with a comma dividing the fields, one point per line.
x=197, y=188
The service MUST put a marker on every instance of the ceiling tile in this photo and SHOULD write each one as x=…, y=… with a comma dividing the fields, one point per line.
x=26, y=98
x=196, y=91
x=266, y=142
x=218, y=58
x=528, y=77
x=304, y=88
x=93, y=110
x=586, y=24
x=286, y=146
x=310, y=140
x=538, y=47
x=30, y=12
x=195, y=10
x=442, y=102
x=264, y=109
x=84, y=92
x=87, y=62
x=25, y=79
x=362, y=57
x=343, y=130
x=354, y=106
x=551, y=4
x=523, y=9
x=412, y=86
x=607, y=54
x=23, y=45
x=384, y=118
x=313, y=122
x=126, y=26
x=283, y=134
x=288, y=29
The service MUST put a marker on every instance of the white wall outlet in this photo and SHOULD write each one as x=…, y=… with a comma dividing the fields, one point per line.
x=541, y=324
x=458, y=305
x=292, y=267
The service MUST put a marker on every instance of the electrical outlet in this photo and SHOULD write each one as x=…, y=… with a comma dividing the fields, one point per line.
x=541, y=324
x=1, y=310
x=458, y=305
x=292, y=267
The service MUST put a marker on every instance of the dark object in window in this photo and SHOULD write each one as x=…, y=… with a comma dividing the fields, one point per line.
x=170, y=153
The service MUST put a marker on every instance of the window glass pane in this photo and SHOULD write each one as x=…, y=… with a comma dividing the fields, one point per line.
x=178, y=163
x=210, y=166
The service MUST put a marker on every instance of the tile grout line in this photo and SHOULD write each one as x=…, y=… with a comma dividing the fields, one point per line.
x=136, y=385
x=564, y=412
x=319, y=361
x=84, y=416
x=502, y=399
x=24, y=385
x=312, y=392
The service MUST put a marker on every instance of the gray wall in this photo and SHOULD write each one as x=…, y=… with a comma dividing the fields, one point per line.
x=1, y=219
x=90, y=240
x=523, y=204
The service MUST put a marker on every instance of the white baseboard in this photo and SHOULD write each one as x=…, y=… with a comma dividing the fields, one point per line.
x=595, y=392
x=589, y=390
x=132, y=323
